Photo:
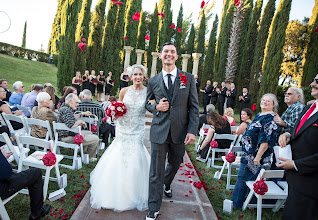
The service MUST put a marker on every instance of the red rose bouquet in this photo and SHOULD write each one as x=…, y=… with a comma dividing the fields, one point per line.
x=260, y=187
x=230, y=157
x=116, y=109
x=93, y=128
x=49, y=159
x=78, y=139
x=214, y=144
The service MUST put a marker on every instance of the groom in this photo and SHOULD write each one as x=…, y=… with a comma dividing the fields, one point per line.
x=174, y=125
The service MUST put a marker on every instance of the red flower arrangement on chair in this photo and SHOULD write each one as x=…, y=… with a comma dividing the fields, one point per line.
x=260, y=187
x=214, y=144
x=49, y=159
x=78, y=139
x=230, y=157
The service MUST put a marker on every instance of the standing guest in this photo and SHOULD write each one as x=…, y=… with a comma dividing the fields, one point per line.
x=77, y=81
x=92, y=82
x=66, y=115
x=245, y=100
x=42, y=112
x=206, y=95
x=124, y=79
x=246, y=116
x=109, y=85
x=197, y=83
x=231, y=96
x=214, y=94
x=30, y=97
x=228, y=115
x=257, y=145
x=85, y=80
x=302, y=170
x=222, y=93
x=202, y=118
x=100, y=85
x=4, y=84
x=70, y=89
x=17, y=95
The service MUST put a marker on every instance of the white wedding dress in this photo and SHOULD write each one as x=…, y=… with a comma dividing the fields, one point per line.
x=120, y=180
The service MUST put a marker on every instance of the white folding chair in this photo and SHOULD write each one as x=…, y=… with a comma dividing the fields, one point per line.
x=58, y=144
x=274, y=192
x=29, y=122
x=234, y=129
x=2, y=121
x=19, y=119
x=34, y=161
x=24, y=109
x=202, y=134
x=3, y=212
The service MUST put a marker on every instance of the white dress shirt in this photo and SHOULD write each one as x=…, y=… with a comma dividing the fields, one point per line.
x=173, y=76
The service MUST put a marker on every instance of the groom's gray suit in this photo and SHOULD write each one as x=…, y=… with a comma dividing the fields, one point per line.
x=168, y=131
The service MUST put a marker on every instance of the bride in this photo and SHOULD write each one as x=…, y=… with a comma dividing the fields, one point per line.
x=120, y=179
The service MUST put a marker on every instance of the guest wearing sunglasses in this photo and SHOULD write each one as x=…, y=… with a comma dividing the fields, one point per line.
x=17, y=95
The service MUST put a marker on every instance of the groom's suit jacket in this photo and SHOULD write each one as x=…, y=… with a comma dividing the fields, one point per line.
x=183, y=114
x=304, y=147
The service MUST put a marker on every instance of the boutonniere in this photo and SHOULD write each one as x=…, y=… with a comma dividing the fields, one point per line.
x=183, y=81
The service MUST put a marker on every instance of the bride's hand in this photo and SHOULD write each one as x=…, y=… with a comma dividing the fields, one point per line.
x=151, y=102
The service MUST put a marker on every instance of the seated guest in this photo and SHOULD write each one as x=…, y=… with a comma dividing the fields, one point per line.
x=10, y=183
x=4, y=84
x=257, y=144
x=219, y=126
x=17, y=95
x=68, y=90
x=4, y=129
x=42, y=112
x=246, y=116
x=30, y=97
x=202, y=118
x=228, y=115
x=66, y=115
x=106, y=103
x=6, y=109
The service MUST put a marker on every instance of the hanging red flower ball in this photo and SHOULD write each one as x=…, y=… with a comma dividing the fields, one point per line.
x=316, y=30
x=173, y=26
x=205, y=130
x=179, y=30
x=230, y=157
x=214, y=144
x=93, y=128
x=81, y=45
x=49, y=159
x=237, y=3
x=147, y=37
x=78, y=139
x=202, y=4
x=260, y=187
x=136, y=16
x=254, y=106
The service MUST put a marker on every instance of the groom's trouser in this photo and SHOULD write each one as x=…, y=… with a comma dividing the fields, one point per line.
x=160, y=175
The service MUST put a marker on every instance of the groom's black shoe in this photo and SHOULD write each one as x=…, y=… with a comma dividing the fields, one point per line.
x=168, y=192
x=152, y=215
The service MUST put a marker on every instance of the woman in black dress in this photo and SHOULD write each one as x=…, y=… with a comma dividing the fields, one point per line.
x=100, y=85
x=77, y=81
x=85, y=80
x=124, y=79
x=109, y=85
x=92, y=82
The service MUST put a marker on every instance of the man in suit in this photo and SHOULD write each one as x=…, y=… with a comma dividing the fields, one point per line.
x=197, y=82
x=302, y=170
x=245, y=100
x=206, y=95
x=214, y=94
x=174, y=125
x=222, y=93
x=231, y=96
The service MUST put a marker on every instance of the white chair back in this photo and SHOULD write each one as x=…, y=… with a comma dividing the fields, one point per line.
x=14, y=149
x=44, y=124
x=2, y=121
x=266, y=174
x=24, y=109
x=28, y=140
x=19, y=119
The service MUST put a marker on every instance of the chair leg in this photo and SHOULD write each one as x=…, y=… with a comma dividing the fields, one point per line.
x=248, y=199
x=213, y=158
x=278, y=205
x=82, y=152
x=46, y=182
x=259, y=208
x=74, y=158
x=58, y=176
x=3, y=212
x=228, y=179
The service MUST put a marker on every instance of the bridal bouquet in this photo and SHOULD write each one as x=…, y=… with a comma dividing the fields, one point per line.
x=116, y=109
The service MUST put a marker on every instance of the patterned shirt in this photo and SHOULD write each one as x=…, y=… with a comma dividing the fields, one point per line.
x=263, y=129
x=94, y=108
x=66, y=116
x=290, y=117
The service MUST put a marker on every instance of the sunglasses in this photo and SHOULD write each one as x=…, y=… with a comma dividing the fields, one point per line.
x=314, y=79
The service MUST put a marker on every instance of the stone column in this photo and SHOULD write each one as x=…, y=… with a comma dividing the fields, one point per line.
x=185, y=58
x=139, y=55
x=128, y=50
x=155, y=56
x=196, y=58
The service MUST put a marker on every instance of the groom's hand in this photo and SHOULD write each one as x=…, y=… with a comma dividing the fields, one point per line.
x=163, y=105
x=190, y=139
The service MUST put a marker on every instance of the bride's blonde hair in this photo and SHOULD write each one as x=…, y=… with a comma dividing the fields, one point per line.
x=143, y=69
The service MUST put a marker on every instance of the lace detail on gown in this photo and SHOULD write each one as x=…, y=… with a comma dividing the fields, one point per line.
x=120, y=179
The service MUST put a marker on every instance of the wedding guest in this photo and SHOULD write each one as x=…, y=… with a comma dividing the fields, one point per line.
x=66, y=115
x=109, y=85
x=257, y=144
x=228, y=115
x=202, y=118
x=87, y=104
x=51, y=91
x=30, y=97
x=246, y=116
x=85, y=80
x=206, y=95
x=197, y=83
x=17, y=95
x=92, y=82
x=221, y=93
x=69, y=90
x=231, y=96
x=124, y=79
x=100, y=85
x=218, y=125
x=214, y=94
x=42, y=112
x=77, y=81
x=106, y=103
x=245, y=100
x=4, y=84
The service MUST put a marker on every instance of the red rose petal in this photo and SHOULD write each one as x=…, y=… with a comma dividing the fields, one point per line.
x=241, y=216
x=190, y=191
x=194, y=211
x=186, y=195
x=83, y=39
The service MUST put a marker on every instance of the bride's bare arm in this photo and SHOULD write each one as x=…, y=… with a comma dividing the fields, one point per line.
x=122, y=93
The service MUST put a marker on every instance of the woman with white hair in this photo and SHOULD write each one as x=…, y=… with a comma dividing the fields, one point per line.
x=42, y=112
x=17, y=95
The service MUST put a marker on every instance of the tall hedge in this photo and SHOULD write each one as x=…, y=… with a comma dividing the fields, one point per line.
x=256, y=69
x=273, y=55
x=141, y=31
x=24, y=35
x=310, y=68
x=200, y=44
x=154, y=25
x=178, y=36
x=190, y=48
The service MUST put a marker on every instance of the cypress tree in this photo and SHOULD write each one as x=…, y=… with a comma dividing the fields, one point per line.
x=273, y=55
x=53, y=46
x=95, y=37
x=178, y=35
x=243, y=78
x=209, y=59
x=141, y=31
x=262, y=35
x=69, y=17
x=190, y=48
x=310, y=65
x=200, y=46
x=154, y=25
x=24, y=35
x=82, y=31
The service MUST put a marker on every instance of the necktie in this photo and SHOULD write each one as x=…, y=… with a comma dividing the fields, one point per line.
x=306, y=116
x=170, y=89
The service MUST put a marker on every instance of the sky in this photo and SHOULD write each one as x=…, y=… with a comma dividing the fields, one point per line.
x=40, y=14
